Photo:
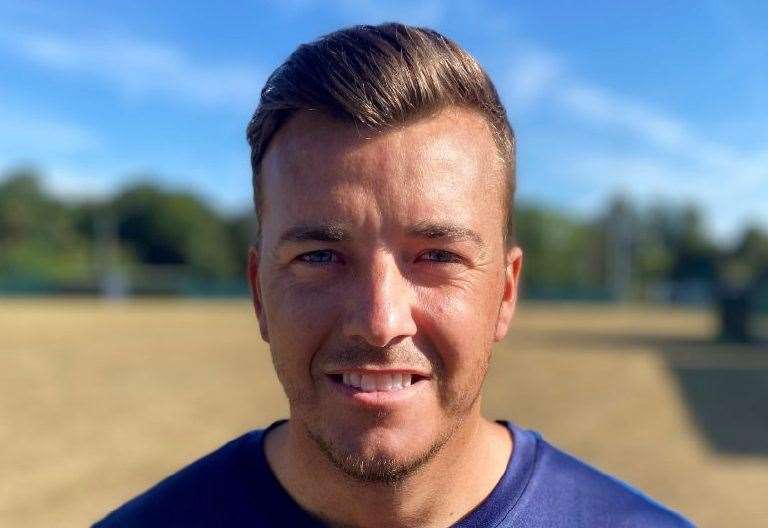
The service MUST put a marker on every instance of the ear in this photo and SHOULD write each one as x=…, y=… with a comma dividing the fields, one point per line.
x=513, y=264
x=253, y=280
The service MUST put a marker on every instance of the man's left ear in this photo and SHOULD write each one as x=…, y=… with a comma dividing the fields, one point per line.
x=512, y=267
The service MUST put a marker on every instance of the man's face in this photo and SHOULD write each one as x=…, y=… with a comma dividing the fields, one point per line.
x=381, y=282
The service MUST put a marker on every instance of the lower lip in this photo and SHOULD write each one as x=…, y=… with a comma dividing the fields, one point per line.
x=378, y=398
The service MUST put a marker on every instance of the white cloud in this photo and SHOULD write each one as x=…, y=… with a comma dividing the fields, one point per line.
x=677, y=160
x=729, y=183
x=732, y=199
x=531, y=75
x=601, y=107
x=25, y=135
x=140, y=68
x=677, y=163
x=31, y=138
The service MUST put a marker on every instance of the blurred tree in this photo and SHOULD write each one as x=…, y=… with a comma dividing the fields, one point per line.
x=175, y=235
x=674, y=249
x=37, y=238
x=173, y=228
x=656, y=243
x=556, y=253
x=26, y=212
x=752, y=249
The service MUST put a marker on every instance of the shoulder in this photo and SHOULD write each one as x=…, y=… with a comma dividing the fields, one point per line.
x=217, y=485
x=561, y=485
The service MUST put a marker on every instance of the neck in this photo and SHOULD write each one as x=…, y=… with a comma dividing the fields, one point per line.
x=440, y=493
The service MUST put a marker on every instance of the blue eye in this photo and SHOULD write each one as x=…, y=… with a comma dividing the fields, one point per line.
x=323, y=256
x=440, y=255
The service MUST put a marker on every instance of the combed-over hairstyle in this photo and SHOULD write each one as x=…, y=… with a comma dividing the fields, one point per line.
x=378, y=77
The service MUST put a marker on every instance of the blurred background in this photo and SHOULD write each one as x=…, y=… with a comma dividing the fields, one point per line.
x=127, y=345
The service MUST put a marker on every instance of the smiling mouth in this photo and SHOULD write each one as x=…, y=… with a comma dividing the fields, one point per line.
x=377, y=381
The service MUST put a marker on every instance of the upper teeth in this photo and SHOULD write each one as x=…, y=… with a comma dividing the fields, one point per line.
x=377, y=382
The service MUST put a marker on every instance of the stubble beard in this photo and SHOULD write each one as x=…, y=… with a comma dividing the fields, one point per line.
x=388, y=470
x=379, y=469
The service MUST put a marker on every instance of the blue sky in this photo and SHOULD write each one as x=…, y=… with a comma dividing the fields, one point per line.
x=658, y=100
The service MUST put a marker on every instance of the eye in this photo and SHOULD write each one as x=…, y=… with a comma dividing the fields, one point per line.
x=440, y=256
x=321, y=256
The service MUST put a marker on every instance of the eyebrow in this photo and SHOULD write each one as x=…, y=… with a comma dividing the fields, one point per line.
x=427, y=230
x=319, y=233
x=446, y=231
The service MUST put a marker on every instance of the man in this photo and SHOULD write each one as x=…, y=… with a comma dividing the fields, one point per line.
x=385, y=269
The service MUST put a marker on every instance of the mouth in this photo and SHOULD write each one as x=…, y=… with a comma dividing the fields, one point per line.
x=378, y=389
x=377, y=381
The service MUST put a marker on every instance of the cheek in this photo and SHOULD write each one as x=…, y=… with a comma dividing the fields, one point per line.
x=455, y=330
x=299, y=322
x=458, y=325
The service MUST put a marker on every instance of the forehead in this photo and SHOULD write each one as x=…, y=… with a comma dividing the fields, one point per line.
x=444, y=164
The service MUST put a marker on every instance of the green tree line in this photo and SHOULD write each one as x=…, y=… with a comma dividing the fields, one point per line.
x=149, y=239
x=145, y=234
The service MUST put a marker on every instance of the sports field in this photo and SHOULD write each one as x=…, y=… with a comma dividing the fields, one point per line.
x=99, y=400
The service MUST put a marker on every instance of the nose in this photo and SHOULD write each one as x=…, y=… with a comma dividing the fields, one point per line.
x=380, y=302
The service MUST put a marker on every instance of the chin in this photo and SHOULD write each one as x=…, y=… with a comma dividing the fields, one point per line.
x=379, y=454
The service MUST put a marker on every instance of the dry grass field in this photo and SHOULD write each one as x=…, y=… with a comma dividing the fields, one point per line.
x=100, y=400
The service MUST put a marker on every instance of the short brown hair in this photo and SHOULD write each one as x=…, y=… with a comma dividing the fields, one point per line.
x=377, y=77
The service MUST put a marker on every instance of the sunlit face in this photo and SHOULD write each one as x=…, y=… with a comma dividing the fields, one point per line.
x=381, y=282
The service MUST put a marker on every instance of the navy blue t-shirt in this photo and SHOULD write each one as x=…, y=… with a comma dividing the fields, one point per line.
x=541, y=487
